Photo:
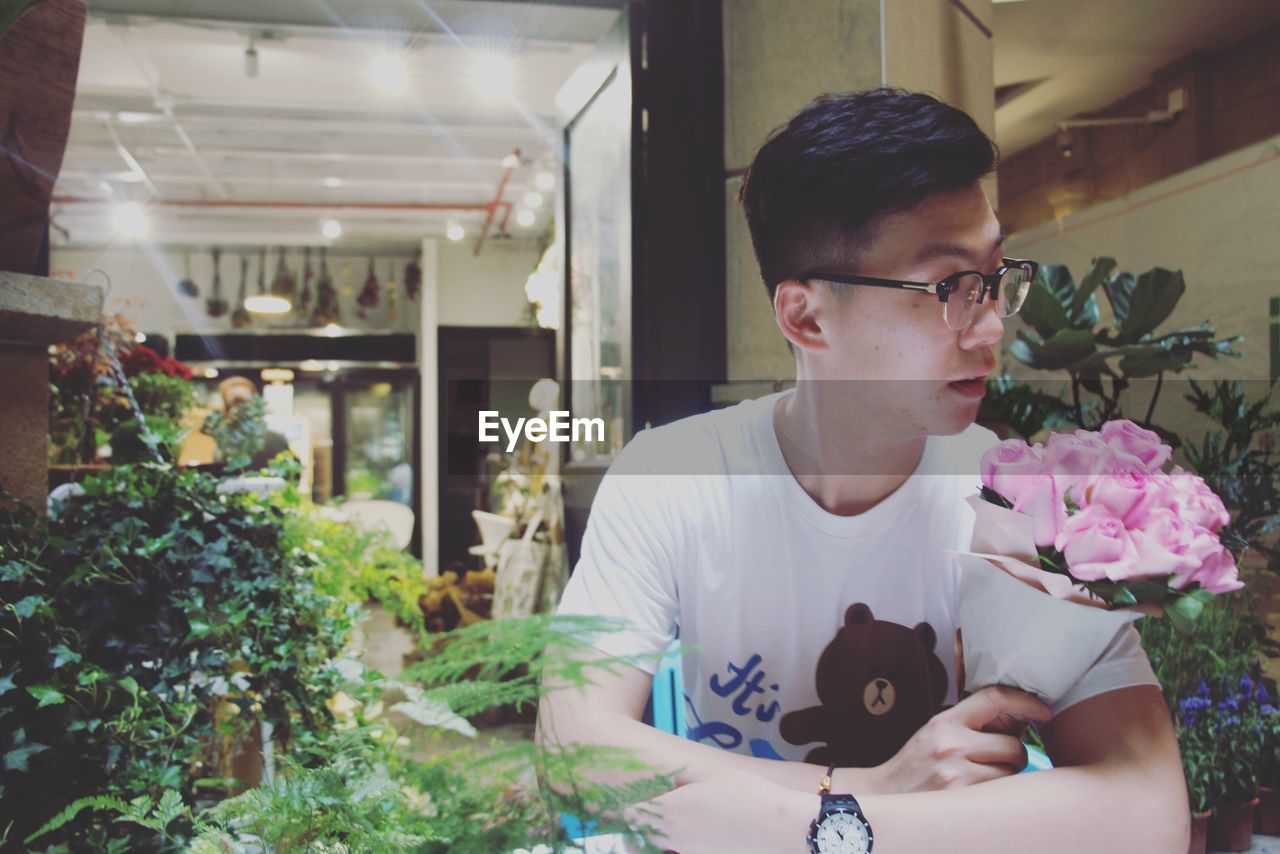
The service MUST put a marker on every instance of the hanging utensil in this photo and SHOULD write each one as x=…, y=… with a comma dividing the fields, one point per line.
x=304, y=299
x=186, y=285
x=368, y=298
x=391, y=292
x=262, y=272
x=216, y=306
x=413, y=277
x=240, y=317
x=282, y=285
x=326, y=310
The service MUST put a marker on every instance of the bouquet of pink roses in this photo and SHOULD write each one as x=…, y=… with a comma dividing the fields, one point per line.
x=1093, y=520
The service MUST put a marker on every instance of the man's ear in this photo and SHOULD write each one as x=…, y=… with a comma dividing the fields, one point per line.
x=796, y=307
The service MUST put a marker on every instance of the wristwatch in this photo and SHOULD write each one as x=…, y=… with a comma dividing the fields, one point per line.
x=841, y=827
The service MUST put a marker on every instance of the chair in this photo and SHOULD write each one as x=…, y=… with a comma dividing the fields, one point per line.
x=393, y=516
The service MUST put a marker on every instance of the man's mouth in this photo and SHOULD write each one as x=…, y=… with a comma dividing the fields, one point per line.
x=974, y=387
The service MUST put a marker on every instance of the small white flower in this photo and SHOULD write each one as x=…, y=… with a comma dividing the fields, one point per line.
x=241, y=681
x=219, y=687
x=199, y=678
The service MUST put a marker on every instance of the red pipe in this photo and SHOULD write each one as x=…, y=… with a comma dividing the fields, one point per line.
x=497, y=201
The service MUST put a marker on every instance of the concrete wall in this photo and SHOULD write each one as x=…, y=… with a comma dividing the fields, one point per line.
x=1217, y=223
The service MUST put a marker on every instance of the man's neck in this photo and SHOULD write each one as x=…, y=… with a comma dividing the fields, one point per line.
x=845, y=463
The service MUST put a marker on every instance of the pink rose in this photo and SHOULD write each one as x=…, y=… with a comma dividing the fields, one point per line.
x=1119, y=488
x=1042, y=501
x=1128, y=438
x=1075, y=459
x=1218, y=574
x=1169, y=545
x=1096, y=546
x=1196, y=502
x=1008, y=468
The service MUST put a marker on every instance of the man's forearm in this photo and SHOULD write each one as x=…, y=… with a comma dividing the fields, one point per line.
x=689, y=761
x=1061, y=810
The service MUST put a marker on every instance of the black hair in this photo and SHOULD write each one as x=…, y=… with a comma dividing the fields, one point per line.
x=822, y=182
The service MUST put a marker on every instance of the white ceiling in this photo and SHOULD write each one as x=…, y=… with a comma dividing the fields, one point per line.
x=1089, y=53
x=166, y=113
x=165, y=110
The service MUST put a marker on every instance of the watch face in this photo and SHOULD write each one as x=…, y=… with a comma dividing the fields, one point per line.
x=842, y=833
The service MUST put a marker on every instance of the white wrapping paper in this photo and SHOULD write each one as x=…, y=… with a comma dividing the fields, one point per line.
x=1022, y=626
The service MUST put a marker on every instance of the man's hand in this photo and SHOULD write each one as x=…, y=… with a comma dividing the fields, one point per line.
x=976, y=740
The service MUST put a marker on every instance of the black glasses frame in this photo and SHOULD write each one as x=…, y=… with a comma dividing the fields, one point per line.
x=990, y=284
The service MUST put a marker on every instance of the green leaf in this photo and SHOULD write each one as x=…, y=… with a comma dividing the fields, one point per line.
x=1119, y=291
x=1184, y=611
x=433, y=712
x=1064, y=349
x=1080, y=304
x=130, y=684
x=7, y=683
x=16, y=759
x=1045, y=308
x=47, y=695
x=27, y=605
x=1154, y=361
x=1155, y=295
x=62, y=655
x=72, y=810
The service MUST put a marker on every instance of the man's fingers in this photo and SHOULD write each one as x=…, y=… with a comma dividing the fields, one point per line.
x=1002, y=706
x=1002, y=750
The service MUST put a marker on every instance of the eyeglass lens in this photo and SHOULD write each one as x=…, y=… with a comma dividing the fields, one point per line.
x=962, y=302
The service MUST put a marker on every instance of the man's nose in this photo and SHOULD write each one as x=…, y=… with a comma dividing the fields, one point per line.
x=987, y=328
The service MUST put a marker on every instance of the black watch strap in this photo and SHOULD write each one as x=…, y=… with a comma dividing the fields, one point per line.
x=835, y=804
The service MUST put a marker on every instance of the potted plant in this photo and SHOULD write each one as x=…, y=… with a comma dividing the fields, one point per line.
x=1193, y=723
x=1266, y=817
x=1237, y=724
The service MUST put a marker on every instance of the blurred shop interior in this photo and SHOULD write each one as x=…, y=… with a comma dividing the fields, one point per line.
x=391, y=216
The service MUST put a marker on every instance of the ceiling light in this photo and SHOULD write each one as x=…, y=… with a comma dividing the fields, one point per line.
x=140, y=337
x=331, y=229
x=333, y=366
x=533, y=200
x=211, y=373
x=545, y=181
x=266, y=304
x=455, y=232
x=276, y=375
x=332, y=329
x=491, y=75
x=331, y=181
x=389, y=73
x=511, y=161
x=524, y=217
x=312, y=365
x=130, y=221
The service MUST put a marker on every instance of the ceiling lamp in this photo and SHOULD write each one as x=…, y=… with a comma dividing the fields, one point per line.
x=455, y=232
x=533, y=200
x=524, y=217
x=545, y=181
x=266, y=304
x=331, y=229
x=389, y=72
x=491, y=75
x=130, y=221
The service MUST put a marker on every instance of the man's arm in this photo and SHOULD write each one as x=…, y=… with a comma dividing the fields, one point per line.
x=952, y=750
x=1118, y=786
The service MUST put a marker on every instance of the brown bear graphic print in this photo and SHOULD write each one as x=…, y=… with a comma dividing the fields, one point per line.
x=879, y=682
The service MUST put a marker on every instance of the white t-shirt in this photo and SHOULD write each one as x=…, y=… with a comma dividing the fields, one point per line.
x=700, y=529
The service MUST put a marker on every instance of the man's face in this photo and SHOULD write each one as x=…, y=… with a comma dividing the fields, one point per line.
x=894, y=345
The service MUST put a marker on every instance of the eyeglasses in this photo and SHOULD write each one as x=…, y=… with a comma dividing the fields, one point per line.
x=960, y=293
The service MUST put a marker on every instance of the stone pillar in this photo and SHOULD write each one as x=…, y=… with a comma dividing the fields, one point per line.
x=34, y=313
x=778, y=57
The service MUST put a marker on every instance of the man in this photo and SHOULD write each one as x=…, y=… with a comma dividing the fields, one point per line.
x=796, y=543
x=237, y=391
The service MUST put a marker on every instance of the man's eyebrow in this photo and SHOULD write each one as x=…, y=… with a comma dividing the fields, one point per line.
x=953, y=250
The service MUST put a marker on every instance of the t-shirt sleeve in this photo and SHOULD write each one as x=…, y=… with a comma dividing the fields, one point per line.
x=1123, y=664
x=625, y=572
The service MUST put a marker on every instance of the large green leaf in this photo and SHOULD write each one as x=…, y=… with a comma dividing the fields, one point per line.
x=1084, y=305
x=1155, y=295
x=1046, y=309
x=1154, y=361
x=1064, y=349
x=1119, y=291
